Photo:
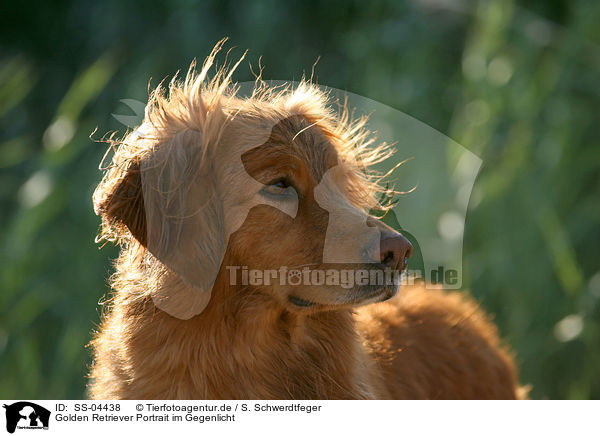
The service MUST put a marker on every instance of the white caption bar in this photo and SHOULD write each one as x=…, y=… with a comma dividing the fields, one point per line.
x=22, y=417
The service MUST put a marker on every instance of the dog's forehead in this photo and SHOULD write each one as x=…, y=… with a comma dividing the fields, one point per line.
x=304, y=140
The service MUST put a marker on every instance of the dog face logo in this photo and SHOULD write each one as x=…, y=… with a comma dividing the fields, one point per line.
x=283, y=186
x=26, y=415
x=291, y=177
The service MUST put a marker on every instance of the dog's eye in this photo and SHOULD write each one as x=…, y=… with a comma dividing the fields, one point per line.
x=276, y=188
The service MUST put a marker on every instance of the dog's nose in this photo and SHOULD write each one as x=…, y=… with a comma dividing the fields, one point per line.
x=395, y=250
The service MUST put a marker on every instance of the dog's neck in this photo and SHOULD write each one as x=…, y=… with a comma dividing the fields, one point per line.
x=244, y=345
x=279, y=354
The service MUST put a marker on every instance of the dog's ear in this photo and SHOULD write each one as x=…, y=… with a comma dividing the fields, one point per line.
x=168, y=201
x=184, y=217
x=123, y=205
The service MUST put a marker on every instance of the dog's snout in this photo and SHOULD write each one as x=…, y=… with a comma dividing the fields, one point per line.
x=395, y=250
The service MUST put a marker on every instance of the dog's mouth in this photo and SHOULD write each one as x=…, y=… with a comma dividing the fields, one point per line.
x=300, y=302
x=356, y=297
x=335, y=286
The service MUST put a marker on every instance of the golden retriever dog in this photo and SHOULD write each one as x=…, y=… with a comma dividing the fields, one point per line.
x=213, y=187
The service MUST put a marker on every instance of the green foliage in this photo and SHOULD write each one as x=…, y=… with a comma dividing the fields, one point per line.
x=515, y=88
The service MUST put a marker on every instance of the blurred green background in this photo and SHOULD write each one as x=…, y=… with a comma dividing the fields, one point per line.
x=515, y=82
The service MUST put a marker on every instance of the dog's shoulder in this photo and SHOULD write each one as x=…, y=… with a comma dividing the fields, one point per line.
x=438, y=344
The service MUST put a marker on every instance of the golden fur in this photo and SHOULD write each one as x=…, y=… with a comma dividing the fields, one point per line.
x=174, y=330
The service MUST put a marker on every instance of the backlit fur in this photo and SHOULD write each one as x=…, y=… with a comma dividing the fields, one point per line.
x=165, y=336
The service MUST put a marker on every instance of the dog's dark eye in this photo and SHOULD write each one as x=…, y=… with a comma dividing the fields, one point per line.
x=277, y=187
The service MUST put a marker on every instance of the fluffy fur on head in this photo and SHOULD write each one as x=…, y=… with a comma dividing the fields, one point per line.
x=160, y=193
x=200, y=104
x=211, y=181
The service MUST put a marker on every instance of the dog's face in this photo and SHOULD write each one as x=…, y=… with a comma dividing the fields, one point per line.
x=306, y=242
x=230, y=194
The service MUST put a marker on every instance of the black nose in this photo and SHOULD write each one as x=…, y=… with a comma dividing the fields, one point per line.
x=395, y=250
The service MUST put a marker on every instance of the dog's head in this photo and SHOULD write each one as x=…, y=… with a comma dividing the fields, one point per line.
x=268, y=193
